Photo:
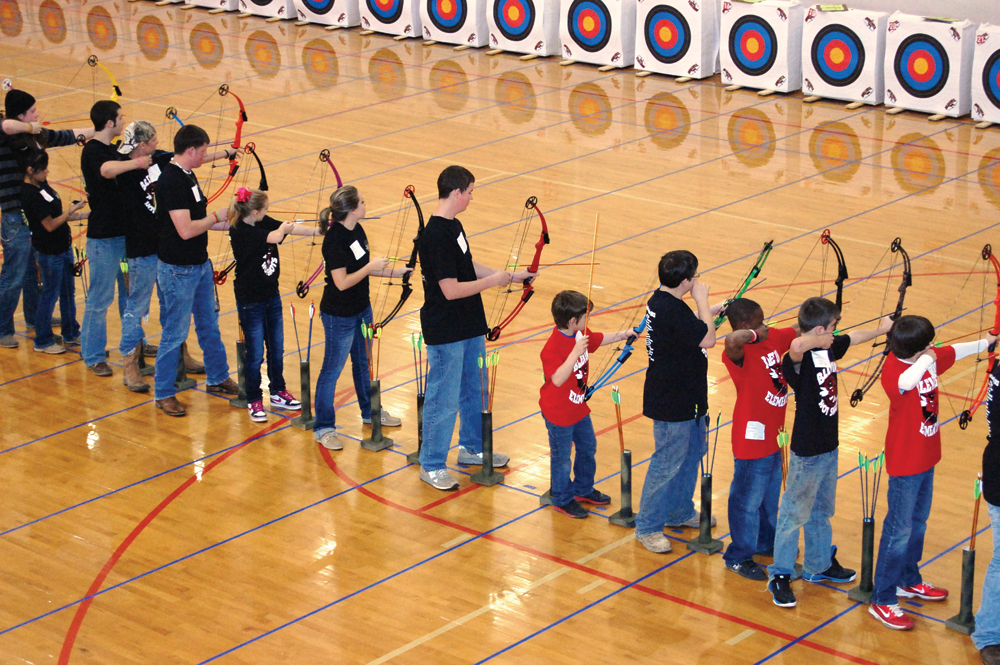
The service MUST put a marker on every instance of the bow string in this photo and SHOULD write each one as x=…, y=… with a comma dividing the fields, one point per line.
x=966, y=416
x=302, y=288
x=408, y=193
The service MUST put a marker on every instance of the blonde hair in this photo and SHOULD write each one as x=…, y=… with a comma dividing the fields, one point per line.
x=342, y=202
x=239, y=210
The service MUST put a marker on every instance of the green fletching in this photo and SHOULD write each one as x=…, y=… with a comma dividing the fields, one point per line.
x=616, y=397
x=480, y=362
x=861, y=460
x=978, y=489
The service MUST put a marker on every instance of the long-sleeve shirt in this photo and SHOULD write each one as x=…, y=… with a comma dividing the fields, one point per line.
x=10, y=172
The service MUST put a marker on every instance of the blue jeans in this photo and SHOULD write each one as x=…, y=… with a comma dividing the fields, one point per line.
x=104, y=256
x=58, y=282
x=453, y=389
x=32, y=275
x=16, y=241
x=343, y=339
x=753, y=507
x=902, y=543
x=141, y=279
x=673, y=472
x=988, y=617
x=262, y=323
x=808, y=503
x=561, y=442
x=188, y=290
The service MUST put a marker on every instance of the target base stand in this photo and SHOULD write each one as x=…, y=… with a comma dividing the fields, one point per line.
x=217, y=11
x=244, y=15
x=766, y=93
x=854, y=105
x=704, y=543
x=546, y=499
x=494, y=51
x=240, y=401
x=305, y=420
x=733, y=88
x=365, y=33
x=376, y=441
x=145, y=369
x=566, y=63
x=965, y=622
x=430, y=42
x=984, y=125
x=182, y=382
x=863, y=592
x=299, y=24
x=643, y=74
x=682, y=79
x=414, y=457
x=625, y=517
x=529, y=56
x=896, y=110
x=487, y=475
x=401, y=38
x=462, y=47
x=331, y=28
x=608, y=68
x=811, y=99
x=937, y=117
x=275, y=19
x=187, y=8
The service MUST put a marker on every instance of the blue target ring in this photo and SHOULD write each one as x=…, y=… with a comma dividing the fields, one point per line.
x=921, y=66
x=991, y=78
x=753, y=45
x=514, y=18
x=448, y=15
x=319, y=7
x=668, y=35
x=589, y=24
x=386, y=11
x=838, y=55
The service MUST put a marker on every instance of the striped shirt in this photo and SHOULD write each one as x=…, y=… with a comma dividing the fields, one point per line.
x=10, y=173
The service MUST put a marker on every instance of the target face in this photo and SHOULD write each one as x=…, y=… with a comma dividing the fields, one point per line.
x=667, y=120
x=838, y=55
x=263, y=53
x=450, y=85
x=667, y=34
x=387, y=74
x=448, y=15
x=11, y=22
x=152, y=38
x=590, y=109
x=753, y=45
x=516, y=97
x=989, y=176
x=836, y=152
x=386, y=11
x=589, y=24
x=514, y=18
x=751, y=137
x=52, y=20
x=319, y=7
x=206, y=45
x=921, y=66
x=991, y=79
x=918, y=164
x=101, y=29
x=319, y=61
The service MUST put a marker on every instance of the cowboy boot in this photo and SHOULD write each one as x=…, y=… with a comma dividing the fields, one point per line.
x=130, y=375
x=191, y=365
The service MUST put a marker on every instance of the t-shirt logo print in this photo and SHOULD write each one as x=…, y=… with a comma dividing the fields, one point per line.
x=270, y=263
x=581, y=371
x=929, y=405
x=827, y=380
x=779, y=396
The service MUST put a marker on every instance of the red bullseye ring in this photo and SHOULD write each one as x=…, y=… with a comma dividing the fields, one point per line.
x=921, y=65
x=447, y=9
x=752, y=44
x=384, y=5
x=589, y=23
x=837, y=55
x=666, y=36
x=514, y=13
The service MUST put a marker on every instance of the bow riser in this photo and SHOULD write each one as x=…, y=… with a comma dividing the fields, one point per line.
x=526, y=286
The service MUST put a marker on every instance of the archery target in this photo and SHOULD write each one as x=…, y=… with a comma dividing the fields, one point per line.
x=600, y=32
x=589, y=24
x=843, y=54
x=989, y=176
x=763, y=44
x=450, y=85
x=514, y=18
x=524, y=26
x=11, y=21
x=263, y=53
x=454, y=21
x=269, y=8
x=206, y=45
x=667, y=120
x=928, y=64
x=319, y=61
x=836, y=152
x=590, y=109
x=918, y=164
x=986, y=75
x=53, y=21
x=751, y=137
x=387, y=74
x=152, y=37
x=328, y=12
x=101, y=29
x=838, y=55
x=386, y=11
x=516, y=97
x=392, y=17
x=447, y=15
x=677, y=37
x=226, y=5
x=667, y=34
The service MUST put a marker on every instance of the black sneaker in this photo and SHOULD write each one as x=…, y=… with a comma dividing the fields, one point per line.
x=748, y=569
x=573, y=509
x=781, y=589
x=596, y=498
x=835, y=573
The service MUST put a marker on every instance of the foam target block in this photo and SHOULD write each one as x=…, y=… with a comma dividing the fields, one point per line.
x=761, y=45
x=269, y=8
x=601, y=32
x=391, y=17
x=524, y=26
x=455, y=21
x=677, y=37
x=344, y=13
x=208, y=45
x=986, y=74
x=227, y=5
x=928, y=64
x=843, y=53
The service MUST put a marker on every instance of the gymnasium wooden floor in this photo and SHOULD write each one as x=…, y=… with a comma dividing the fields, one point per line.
x=130, y=537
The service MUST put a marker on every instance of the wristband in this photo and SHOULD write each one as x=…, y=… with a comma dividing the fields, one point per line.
x=754, y=340
x=216, y=217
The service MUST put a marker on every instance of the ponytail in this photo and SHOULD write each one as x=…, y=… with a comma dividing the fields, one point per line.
x=252, y=201
x=342, y=202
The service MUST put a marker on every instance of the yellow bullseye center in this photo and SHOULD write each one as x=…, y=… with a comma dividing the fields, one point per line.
x=921, y=66
x=588, y=23
x=513, y=14
x=665, y=34
x=837, y=56
x=753, y=45
x=446, y=7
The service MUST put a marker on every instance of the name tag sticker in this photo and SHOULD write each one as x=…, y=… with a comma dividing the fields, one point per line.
x=461, y=243
x=197, y=194
x=357, y=249
x=154, y=173
x=46, y=196
x=755, y=431
x=821, y=359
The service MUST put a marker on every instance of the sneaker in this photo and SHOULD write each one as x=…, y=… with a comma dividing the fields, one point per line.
x=388, y=420
x=331, y=441
x=781, y=590
x=439, y=480
x=748, y=569
x=465, y=458
x=990, y=654
x=892, y=616
x=923, y=591
x=54, y=349
x=693, y=523
x=596, y=498
x=573, y=509
x=285, y=400
x=71, y=341
x=101, y=369
x=256, y=411
x=8, y=342
x=656, y=543
x=835, y=573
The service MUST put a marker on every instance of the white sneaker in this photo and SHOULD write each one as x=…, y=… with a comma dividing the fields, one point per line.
x=54, y=349
x=331, y=441
x=388, y=420
x=466, y=458
x=656, y=542
x=439, y=480
x=693, y=523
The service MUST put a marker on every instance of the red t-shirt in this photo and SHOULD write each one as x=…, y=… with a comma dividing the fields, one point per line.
x=565, y=405
x=761, y=395
x=913, y=442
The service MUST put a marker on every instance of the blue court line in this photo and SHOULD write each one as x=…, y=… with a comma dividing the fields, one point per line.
x=807, y=634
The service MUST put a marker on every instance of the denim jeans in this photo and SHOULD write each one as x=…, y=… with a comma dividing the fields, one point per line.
x=808, y=503
x=32, y=276
x=58, y=282
x=561, y=442
x=188, y=290
x=141, y=279
x=673, y=472
x=16, y=241
x=343, y=339
x=453, y=390
x=753, y=507
x=988, y=617
x=902, y=543
x=262, y=324
x=104, y=256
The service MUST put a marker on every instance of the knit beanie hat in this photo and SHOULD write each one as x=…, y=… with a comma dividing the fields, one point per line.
x=17, y=102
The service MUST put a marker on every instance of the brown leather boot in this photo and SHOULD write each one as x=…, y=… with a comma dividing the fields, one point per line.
x=130, y=375
x=171, y=406
x=191, y=366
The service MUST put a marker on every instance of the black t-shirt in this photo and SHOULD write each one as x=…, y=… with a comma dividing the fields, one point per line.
x=445, y=254
x=816, y=405
x=991, y=456
x=257, y=267
x=107, y=219
x=345, y=249
x=37, y=204
x=137, y=192
x=178, y=189
x=676, y=388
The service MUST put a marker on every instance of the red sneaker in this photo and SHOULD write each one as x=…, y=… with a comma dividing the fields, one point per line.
x=923, y=591
x=891, y=616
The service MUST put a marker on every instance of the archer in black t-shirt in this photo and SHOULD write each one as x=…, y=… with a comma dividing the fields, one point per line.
x=987, y=634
